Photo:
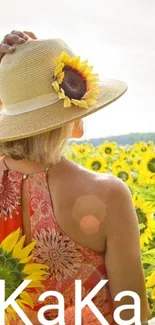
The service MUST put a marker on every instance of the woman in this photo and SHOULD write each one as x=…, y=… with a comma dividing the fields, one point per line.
x=84, y=223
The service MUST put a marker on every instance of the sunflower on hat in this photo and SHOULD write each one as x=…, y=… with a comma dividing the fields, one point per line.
x=74, y=82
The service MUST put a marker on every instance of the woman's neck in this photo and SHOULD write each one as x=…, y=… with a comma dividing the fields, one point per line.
x=25, y=166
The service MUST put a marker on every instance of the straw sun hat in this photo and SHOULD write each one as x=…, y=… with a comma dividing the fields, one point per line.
x=43, y=86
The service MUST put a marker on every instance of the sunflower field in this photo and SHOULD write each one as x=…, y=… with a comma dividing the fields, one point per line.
x=135, y=165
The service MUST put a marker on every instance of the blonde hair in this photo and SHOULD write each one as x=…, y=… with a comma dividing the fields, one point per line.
x=44, y=148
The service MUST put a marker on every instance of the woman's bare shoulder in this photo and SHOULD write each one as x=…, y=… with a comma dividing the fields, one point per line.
x=102, y=182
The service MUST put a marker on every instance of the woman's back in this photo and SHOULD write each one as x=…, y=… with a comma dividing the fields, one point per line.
x=79, y=198
x=62, y=208
x=85, y=224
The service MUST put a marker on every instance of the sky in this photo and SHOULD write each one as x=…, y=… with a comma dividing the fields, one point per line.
x=117, y=38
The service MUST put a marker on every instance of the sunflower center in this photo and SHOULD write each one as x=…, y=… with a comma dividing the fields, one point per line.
x=123, y=175
x=73, y=84
x=96, y=165
x=143, y=149
x=82, y=150
x=108, y=150
x=151, y=165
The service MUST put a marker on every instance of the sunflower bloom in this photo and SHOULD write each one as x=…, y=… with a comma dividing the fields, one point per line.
x=74, y=82
x=15, y=268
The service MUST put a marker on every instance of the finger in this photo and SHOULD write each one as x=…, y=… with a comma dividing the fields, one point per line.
x=5, y=48
x=31, y=35
x=20, y=34
x=11, y=39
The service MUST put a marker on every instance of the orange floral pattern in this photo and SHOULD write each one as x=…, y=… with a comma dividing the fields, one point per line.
x=68, y=261
x=87, y=316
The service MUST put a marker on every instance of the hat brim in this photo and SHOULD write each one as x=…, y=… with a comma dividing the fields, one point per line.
x=40, y=120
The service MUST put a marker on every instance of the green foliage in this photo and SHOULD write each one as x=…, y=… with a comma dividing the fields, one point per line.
x=122, y=139
x=147, y=192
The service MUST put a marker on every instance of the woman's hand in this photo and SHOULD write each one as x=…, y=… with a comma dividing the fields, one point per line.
x=8, y=45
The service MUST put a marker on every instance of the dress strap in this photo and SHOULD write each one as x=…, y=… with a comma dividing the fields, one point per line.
x=47, y=169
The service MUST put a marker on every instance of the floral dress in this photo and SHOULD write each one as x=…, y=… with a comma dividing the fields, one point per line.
x=67, y=260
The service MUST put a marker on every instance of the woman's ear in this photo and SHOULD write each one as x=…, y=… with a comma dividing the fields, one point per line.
x=78, y=129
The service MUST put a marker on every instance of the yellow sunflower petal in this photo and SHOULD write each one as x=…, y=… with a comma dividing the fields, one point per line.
x=76, y=62
x=64, y=57
x=11, y=311
x=92, y=82
x=88, y=70
x=93, y=76
x=142, y=242
x=67, y=102
x=60, y=77
x=6, y=319
x=151, y=281
x=25, y=296
x=57, y=72
x=58, y=68
x=35, y=284
x=21, y=303
x=33, y=271
x=90, y=101
x=83, y=68
x=80, y=103
x=55, y=85
x=153, y=293
x=27, y=250
x=75, y=102
x=58, y=61
x=18, y=247
x=84, y=63
x=34, y=277
x=33, y=267
x=91, y=93
x=83, y=104
x=61, y=94
x=37, y=273
x=10, y=241
x=26, y=259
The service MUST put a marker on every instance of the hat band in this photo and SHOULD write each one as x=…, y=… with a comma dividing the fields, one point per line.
x=31, y=104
